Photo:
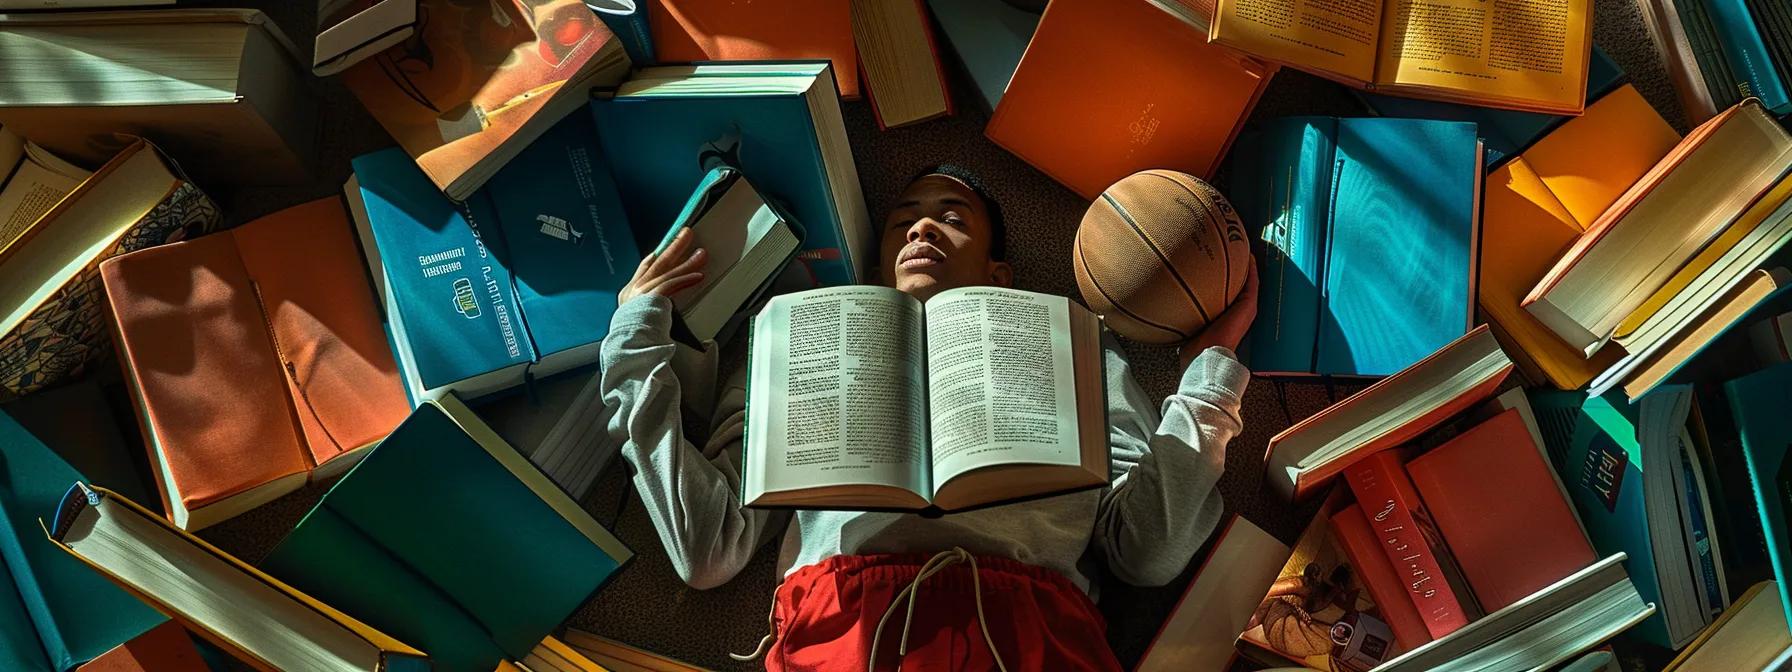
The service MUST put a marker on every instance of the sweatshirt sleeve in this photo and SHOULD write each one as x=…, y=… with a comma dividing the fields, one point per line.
x=1164, y=501
x=692, y=494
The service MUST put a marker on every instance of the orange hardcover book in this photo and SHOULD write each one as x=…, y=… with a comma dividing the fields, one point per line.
x=781, y=30
x=1540, y=202
x=255, y=357
x=1410, y=542
x=1111, y=87
x=1494, y=496
x=1377, y=575
x=165, y=648
x=482, y=80
x=1516, y=54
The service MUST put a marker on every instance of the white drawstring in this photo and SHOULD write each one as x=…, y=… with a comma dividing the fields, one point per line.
x=939, y=562
x=771, y=634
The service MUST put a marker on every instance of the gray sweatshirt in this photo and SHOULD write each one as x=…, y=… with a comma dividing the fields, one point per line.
x=1147, y=525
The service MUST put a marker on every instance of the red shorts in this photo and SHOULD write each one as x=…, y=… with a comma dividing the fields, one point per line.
x=825, y=616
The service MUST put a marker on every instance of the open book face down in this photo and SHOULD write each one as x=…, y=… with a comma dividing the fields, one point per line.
x=864, y=397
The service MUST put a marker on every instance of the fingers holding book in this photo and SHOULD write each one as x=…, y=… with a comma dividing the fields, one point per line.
x=678, y=267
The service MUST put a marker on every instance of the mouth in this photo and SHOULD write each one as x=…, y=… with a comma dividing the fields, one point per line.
x=920, y=256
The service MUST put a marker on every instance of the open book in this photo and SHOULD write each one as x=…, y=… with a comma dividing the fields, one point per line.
x=864, y=397
x=1517, y=54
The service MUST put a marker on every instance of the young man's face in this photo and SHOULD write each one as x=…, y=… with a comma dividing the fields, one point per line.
x=938, y=238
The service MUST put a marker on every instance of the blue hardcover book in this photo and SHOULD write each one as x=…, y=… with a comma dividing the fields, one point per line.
x=989, y=37
x=628, y=20
x=1370, y=226
x=518, y=281
x=1747, y=54
x=445, y=536
x=793, y=148
x=55, y=612
x=1505, y=132
x=1759, y=402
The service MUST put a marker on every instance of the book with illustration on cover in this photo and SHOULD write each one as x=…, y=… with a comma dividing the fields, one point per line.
x=1317, y=614
x=482, y=80
x=864, y=397
x=1522, y=55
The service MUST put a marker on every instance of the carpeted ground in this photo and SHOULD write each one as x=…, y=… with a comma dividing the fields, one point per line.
x=645, y=604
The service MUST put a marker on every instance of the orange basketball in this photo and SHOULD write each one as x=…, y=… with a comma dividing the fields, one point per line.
x=1159, y=255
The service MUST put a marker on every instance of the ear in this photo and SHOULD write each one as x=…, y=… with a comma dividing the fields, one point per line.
x=1001, y=274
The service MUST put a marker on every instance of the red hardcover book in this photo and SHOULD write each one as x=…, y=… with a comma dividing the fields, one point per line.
x=1376, y=573
x=1498, y=504
x=1399, y=520
x=712, y=30
x=164, y=648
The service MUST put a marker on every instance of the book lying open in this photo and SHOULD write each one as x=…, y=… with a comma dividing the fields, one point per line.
x=864, y=397
x=1522, y=55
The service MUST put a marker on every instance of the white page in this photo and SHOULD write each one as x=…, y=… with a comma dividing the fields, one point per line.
x=835, y=395
x=1000, y=380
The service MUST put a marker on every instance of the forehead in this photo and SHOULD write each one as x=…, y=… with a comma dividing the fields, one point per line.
x=934, y=190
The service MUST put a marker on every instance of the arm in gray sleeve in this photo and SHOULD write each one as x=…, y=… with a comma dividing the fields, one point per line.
x=693, y=496
x=1164, y=501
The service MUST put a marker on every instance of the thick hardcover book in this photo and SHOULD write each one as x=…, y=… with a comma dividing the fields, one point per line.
x=901, y=65
x=52, y=319
x=1108, y=88
x=55, y=614
x=255, y=359
x=483, y=80
x=1493, y=495
x=792, y=146
x=1759, y=402
x=1409, y=538
x=1372, y=227
x=1317, y=613
x=705, y=30
x=517, y=281
x=746, y=240
x=447, y=537
x=1519, y=55
x=864, y=397
x=257, y=619
x=1740, y=37
x=1541, y=201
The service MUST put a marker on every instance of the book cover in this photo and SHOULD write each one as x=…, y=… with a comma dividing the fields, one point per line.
x=653, y=139
x=1411, y=541
x=1107, y=89
x=1202, y=631
x=1376, y=254
x=447, y=537
x=54, y=613
x=165, y=648
x=1377, y=574
x=704, y=30
x=628, y=20
x=1493, y=496
x=1742, y=46
x=1541, y=201
x=989, y=37
x=1758, y=402
x=1316, y=613
x=463, y=96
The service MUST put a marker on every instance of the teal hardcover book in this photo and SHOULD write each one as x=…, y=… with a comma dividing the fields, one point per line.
x=792, y=147
x=989, y=37
x=1370, y=228
x=446, y=538
x=519, y=280
x=1505, y=132
x=1746, y=52
x=1759, y=402
x=55, y=613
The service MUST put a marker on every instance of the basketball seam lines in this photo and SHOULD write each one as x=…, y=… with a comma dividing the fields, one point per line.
x=1116, y=304
x=1225, y=245
x=1174, y=272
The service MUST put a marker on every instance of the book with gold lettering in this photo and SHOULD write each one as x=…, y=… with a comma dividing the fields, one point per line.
x=865, y=397
x=1523, y=55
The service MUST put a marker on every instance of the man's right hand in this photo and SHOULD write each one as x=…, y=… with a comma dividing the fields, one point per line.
x=677, y=268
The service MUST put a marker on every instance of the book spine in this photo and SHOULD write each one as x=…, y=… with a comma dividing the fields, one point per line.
x=1747, y=54
x=1720, y=83
x=1704, y=554
x=1400, y=522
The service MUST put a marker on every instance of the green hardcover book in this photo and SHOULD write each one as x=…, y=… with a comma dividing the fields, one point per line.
x=446, y=538
x=1759, y=402
x=1703, y=38
x=55, y=613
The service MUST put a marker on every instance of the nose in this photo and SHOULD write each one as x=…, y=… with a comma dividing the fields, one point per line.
x=924, y=229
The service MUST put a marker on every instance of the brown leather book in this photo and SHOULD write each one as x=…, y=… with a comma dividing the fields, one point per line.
x=255, y=357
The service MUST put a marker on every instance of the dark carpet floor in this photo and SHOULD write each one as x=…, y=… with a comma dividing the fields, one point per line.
x=646, y=604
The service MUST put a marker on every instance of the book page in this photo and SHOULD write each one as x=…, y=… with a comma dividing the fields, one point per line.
x=1336, y=37
x=835, y=395
x=1510, y=50
x=39, y=181
x=1001, y=387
